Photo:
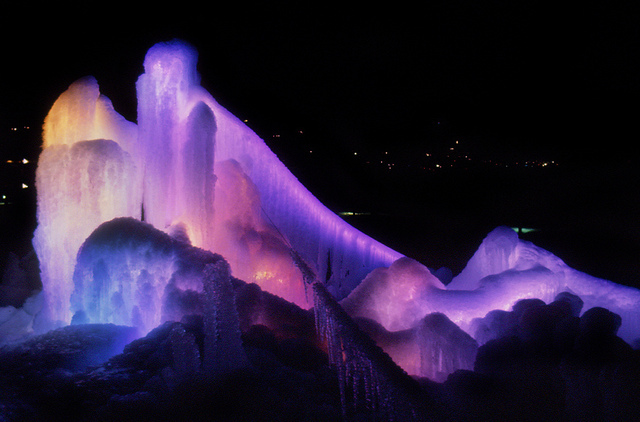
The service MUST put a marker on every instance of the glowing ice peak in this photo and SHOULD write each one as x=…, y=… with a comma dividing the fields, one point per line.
x=82, y=113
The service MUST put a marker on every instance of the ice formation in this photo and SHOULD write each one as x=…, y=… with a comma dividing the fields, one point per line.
x=188, y=163
x=205, y=184
x=434, y=348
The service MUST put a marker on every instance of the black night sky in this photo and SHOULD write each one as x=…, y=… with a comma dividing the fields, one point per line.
x=519, y=76
x=512, y=81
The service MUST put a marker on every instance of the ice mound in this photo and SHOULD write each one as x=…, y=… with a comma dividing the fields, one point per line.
x=502, y=251
x=503, y=271
x=129, y=273
x=393, y=296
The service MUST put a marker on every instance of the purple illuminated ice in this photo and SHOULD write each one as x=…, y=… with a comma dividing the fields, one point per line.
x=503, y=270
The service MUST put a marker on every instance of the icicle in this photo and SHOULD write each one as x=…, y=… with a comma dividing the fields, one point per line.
x=186, y=355
x=223, y=350
x=360, y=364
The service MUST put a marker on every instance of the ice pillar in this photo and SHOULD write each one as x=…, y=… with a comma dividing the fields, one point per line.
x=176, y=142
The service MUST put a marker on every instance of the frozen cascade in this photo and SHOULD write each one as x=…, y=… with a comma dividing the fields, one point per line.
x=82, y=113
x=168, y=92
x=170, y=80
x=370, y=382
x=223, y=352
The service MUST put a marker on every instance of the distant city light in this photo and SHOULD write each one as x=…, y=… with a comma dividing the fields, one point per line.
x=24, y=186
x=524, y=230
x=25, y=161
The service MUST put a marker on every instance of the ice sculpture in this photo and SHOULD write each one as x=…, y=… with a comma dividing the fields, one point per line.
x=191, y=168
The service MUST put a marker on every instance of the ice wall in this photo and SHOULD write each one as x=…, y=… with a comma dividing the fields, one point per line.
x=96, y=166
